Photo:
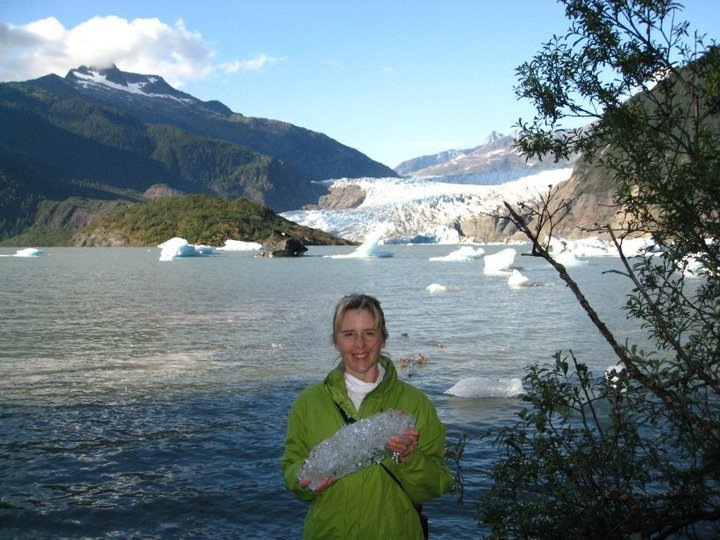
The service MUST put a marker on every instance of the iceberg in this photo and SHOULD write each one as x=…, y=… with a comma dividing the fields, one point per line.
x=28, y=252
x=635, y=247
x=436, y=288
x=692, y=267
x=592, y=246
x=498, y=264
x=465, y=253
x=569, y=259
x=238, y=245
x=179, y=247
x=517, y=279
x=484, y=387
x=612, y=375
x=561, y=251
x=354, y=447
x=369, y=248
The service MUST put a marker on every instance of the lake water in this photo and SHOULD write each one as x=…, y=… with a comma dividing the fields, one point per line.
x=141, y=398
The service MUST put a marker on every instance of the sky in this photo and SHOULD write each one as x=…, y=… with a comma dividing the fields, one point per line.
x=394, y=79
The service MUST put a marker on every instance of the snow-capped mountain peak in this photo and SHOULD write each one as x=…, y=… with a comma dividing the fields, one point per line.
x=113, y=80
x=497, y=155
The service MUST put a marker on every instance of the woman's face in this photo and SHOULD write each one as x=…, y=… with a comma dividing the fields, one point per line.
x=359, y=342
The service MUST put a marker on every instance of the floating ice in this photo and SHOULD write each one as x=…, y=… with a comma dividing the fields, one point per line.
x=484, y=387
x=693, y=267
x=436, y=288
x=612, y=374
x=28, y=252
x=179, y=247
x=562, y=252
x=499, y=263
x=465, y=253
x=592, y=246
x=517, y=279
x=634, y=247
x=369, y=248
x=354, y=447
x=238, y=245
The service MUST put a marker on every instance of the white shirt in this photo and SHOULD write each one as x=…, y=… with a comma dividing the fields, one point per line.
x=358, y=389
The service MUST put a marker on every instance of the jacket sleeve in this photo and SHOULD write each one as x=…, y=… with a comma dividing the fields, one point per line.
x=424, y=474
x=296, y=451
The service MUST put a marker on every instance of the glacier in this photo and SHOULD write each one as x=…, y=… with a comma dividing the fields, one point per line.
x=421, y=209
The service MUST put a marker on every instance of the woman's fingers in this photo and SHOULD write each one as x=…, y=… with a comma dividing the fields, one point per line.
x=404, y=445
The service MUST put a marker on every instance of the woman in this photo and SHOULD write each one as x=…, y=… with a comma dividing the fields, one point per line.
x=378, y=501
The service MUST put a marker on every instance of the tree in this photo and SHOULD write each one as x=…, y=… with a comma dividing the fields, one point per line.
x=635, y=453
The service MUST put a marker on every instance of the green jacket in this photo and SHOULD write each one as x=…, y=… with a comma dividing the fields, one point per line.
x=368, y=503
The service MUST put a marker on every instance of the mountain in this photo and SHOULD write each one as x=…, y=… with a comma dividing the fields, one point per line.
x=109, y=135
x=312, y=155
x=493, y=161
x=411, y=166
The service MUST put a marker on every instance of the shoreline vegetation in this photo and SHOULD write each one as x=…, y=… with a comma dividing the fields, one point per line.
x=207, y=219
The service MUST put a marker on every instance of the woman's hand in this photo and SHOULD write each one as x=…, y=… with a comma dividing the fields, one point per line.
x=322, y=486
x=404, y=445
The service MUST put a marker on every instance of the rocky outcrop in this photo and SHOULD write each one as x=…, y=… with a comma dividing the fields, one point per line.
x=281, y=245
x=590, y=197
x=591, y=194
x=339, y=198
x=157, y=191
x=486, y=229
x=100, y=237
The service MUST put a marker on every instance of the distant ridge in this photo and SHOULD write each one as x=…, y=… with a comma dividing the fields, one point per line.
x=149, y=99
x=414, y=165
x=494, y=159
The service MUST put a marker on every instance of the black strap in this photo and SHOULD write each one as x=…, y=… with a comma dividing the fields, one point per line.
x=423, y=518
x=348, y=419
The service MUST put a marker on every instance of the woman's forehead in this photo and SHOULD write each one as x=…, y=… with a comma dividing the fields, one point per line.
x=359, y=317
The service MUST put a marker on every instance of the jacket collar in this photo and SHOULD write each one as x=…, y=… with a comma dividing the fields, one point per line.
x=335, y=383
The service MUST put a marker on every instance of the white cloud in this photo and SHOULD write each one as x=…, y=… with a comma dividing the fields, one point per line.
x=259, y=62
x=147, y=46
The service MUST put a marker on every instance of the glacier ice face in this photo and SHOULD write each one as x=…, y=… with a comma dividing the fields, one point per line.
x=421, y=209
x=354, y=447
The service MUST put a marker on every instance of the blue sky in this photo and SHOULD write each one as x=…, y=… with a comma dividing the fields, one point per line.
x=395, y=79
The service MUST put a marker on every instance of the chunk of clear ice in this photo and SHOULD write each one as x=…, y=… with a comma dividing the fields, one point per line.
x=354, y=447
